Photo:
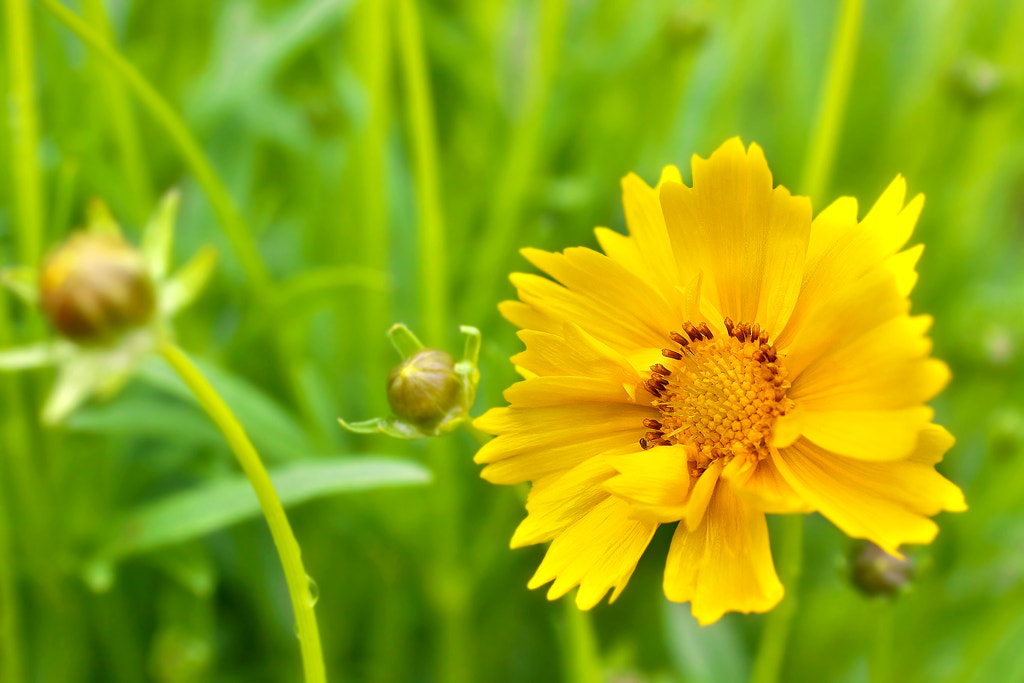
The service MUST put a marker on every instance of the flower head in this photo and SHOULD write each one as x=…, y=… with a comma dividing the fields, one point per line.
x=109, y=302
x=730, y=357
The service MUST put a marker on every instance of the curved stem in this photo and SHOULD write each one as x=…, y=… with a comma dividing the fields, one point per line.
x=28, y=197
x=450, y=581
x=778, y=623
x=235, y=227
x=280, y=529
x=821, y=152
x=433, y=261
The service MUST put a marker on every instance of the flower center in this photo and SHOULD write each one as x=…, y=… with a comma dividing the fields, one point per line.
x=719, y=395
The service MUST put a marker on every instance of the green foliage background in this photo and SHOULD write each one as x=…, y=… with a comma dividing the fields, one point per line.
x=540, y=106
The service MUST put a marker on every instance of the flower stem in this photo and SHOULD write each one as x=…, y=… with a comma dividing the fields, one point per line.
x=433, y=262
x=11, y=670
x=235, y=227
x=28, y=194
x=450, y=582
x=821, y=152
x=582, y=664
x=280, y=529
x=778, y=623
x=883, y=637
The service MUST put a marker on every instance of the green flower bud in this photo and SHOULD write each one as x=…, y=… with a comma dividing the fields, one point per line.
x=95, y=286
x=876, y=572
x=425, y=389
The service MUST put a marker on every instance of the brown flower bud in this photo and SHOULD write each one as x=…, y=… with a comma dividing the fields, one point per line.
x=96, y=286
x=425, y=389
x=876, y=572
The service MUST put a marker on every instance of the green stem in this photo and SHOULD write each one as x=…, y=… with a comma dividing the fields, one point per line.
x=10, y=620
x=818, y=166
x=28, y=194
x=882, y=649
x=122, y=123
x=280, y=529
x=582, y=663
x=772, y=649
x=450, y=581
x=235, y=227
x=519, y=170
x=431, y=236
x=368, y=186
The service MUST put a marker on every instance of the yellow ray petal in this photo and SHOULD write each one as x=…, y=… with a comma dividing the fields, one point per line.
x=642, y=206
x=553, y=391
x=760, y=485
x=655, y=482
x=599, y=278
x=749, y=239
x=561, y=502
x=878, y=435
x=886, y=367
x=617, y=328
x=887, y=503
x=841, y=251
x=534, y=442
x=599, y=552
x=572, y=352
x=725, y=564
x=852, y=312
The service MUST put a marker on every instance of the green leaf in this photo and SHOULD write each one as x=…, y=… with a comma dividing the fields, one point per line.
x=158, y=237
x=274, y=432
x=212, y=506
x=23, y=282
x=182, y=288
x=27, y=357
x=404, y=341
x=145, y=416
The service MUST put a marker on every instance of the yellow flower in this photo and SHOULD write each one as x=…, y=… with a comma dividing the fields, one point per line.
x=729, y=358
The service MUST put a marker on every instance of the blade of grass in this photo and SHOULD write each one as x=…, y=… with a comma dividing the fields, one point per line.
x=123, y=124
x=449, y=581
x=235, y=227
x=21, y=102
x=521, y=158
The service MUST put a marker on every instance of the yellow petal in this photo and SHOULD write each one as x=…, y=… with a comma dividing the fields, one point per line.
x=855, y=310
x=599, y=552
x=618, y=329
x=887, y=367
x=534, y=442
x=868, y=434
x=725, y=564
x=887, y=503
x=749, y=239
x=572, y=352
x=560, y=503
x=655, y=482
x=606, y=293
x=526, y=317
x=697, y=506
x=841, y=251
x=646, y=222
x=551, y=391
x=760, y=485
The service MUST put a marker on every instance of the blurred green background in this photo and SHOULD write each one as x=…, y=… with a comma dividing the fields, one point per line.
x=313, y=116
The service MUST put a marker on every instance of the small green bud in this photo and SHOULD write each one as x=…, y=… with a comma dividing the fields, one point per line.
x=424, y=389
x=429, y=392
x=95, y=286
x=876, y=572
